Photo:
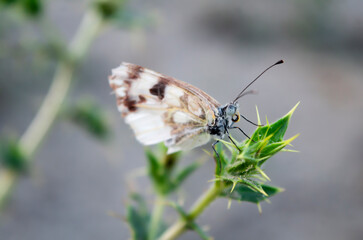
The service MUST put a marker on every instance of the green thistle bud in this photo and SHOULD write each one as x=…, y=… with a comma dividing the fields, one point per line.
x=241, y=169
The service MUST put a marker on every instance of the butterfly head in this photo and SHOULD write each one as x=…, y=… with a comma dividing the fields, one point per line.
x=231, y=113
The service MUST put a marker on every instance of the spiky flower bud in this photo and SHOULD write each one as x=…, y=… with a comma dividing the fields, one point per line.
x=241, y=170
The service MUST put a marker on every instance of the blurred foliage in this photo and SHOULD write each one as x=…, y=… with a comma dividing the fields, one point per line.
x=32, y=8
x=28, y=40
x=109, y=8
x=89, y=116
x=191, y=224
x=139, y=218
x=240, y=176
x=12, y=156
x=8, y=2
x=162, y=170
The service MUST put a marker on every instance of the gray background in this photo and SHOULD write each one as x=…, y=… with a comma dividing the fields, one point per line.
x=218, y=47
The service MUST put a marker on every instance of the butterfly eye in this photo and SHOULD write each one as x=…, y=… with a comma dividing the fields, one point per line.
x=235, y=118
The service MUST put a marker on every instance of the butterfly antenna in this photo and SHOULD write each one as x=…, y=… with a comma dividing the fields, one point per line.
x=241, y=93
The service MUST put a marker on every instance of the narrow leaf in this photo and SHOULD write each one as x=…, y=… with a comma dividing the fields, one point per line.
x=243, y=193
x=138, y=218
x=12, y=156
x=89, y=116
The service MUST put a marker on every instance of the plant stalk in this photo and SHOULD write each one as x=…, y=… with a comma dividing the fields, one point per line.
x=181, y=225
x=156, y=217
x=46, y=115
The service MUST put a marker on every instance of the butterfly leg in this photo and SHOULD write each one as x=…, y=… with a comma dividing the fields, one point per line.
x=233, y=142
x=219, y=159
x=258, y=125
x=243, y=133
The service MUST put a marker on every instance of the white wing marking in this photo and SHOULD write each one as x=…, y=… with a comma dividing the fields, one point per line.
x=162, y=109
x=195, y=138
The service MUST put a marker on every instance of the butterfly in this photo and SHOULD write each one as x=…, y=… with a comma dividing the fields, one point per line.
x=160, y=108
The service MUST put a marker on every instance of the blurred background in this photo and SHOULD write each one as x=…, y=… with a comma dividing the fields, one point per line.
x=76, y=180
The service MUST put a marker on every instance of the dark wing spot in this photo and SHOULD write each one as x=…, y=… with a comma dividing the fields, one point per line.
x=130, y=104
x=142, y=99
x=135, y=71
x=158, y=90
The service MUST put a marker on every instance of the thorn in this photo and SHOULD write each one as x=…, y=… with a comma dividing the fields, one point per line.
x=263, y=174
x=259, y=208
x=293, y=109
x=258, y=117
x=229, y=204
x=234, y=185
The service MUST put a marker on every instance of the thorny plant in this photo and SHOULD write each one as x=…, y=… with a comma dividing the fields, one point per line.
x=239, y=177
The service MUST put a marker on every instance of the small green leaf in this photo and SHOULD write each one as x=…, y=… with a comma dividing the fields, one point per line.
x=183, y=174
x=162, y=170
x=157, y=173
x=191, y=224
x=154, y=166
x=171, y=160
x=12, y=156
x=32, y=7
x=276, y=130
x=91, y=117
x=109, y=8
x=243, y=193
x=8, y=2
x=138, y=218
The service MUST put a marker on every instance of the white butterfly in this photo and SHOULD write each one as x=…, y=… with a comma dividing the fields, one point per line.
x=163, y=109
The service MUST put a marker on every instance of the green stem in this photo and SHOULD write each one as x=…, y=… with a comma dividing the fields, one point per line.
x=181, y=225
x=156, y=216
x=46, y=115
x=58, y=90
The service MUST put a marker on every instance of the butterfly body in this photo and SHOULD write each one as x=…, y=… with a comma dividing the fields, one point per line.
x=226, y=116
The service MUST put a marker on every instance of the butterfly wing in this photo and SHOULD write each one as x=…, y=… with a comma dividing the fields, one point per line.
x=162, y=109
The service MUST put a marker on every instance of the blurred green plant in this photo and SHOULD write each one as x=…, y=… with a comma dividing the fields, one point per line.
x=12, y=156
x=89, y=116
x=240, y=178
x=162, y=170
x=17, y=155
x=32, y=8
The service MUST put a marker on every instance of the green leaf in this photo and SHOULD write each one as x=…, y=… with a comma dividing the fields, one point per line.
x=157, y=173
x=8, y=2
x=171, y=160
x=32, y=7
x=222, y=159
x=109, y=8
x=275, y=131
x=12, y=156
x=154, y=164
x=138, y=218
x=243, y=193
x=183, y=174
x=162, y=170
x=91, y=117
x=191, y=224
